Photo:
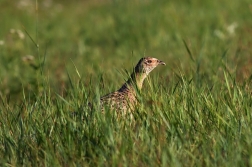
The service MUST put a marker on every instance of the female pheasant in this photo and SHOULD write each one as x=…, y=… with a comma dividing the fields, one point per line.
x=125, y=99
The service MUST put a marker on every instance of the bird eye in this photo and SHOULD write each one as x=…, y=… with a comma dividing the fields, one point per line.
x=149, y=61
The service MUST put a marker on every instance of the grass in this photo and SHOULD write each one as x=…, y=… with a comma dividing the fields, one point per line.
x=196, y=111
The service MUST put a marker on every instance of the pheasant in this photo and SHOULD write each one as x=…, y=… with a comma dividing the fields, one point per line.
x=125, y=98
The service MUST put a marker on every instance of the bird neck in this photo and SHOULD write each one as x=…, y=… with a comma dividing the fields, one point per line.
x=136, y=80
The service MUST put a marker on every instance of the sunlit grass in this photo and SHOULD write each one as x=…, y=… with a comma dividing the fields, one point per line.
x=56, y=60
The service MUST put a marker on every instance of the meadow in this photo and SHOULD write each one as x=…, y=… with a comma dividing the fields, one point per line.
x=57, y=56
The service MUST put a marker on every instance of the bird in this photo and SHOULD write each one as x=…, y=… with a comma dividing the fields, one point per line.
x=125, y=98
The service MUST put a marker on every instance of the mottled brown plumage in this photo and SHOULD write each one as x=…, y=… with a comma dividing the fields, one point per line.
x=125, y=99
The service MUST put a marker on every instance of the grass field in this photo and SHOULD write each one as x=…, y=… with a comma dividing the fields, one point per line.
x=57, y=56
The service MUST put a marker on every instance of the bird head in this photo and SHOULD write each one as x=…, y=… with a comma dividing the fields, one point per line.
x=147, y=64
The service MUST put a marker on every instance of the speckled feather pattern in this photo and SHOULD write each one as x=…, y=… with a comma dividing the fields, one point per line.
x=125, y=99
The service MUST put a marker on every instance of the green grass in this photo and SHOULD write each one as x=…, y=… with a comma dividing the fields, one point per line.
x=196, y=111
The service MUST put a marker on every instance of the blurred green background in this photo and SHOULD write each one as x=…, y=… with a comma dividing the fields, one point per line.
x=56, y=56
x=51, y=39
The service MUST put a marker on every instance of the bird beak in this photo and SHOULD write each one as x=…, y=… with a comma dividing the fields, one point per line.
x=161, y=62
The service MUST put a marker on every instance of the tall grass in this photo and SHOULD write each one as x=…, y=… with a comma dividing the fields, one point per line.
x=194, y=112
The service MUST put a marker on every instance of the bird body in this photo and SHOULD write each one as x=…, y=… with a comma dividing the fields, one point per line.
x=125, y=98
